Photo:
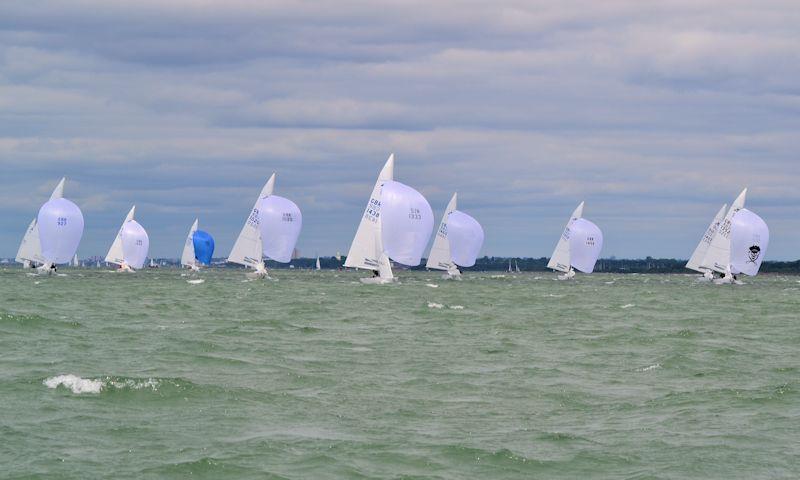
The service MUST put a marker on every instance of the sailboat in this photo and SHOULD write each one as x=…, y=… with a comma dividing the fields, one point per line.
x=75, y=262
x=271, y=230
x=516, y=267
x=318, y=266
x=458, y=241
x=152, y=264
x=738, y=245
x=129, y=250
x=578, y=247
x=198, y=248
x=699, y=254
x=510, y=270
x=396, y=225
x=54, y=235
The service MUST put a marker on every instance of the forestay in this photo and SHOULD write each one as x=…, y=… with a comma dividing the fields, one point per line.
x=406, y=223
x=585, y=244
x=60, y=224
x=749, y=241
x=465, y=236
x=280, y=222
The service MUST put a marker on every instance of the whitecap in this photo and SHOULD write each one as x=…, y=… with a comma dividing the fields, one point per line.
x=431, y=285
x=456, y=307
x=76, y=384
x=195, y=282
x=628, y=305
x=435, y=305
x=649, y=368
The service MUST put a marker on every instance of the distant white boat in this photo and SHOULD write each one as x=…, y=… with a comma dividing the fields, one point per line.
x=271, y=230
x=699, y=254
x=578, y=248
x=396, y=225
x=54, y=235
x=739, y=244
x=152, y=264
x=458, y=241
x=516, y=267
x=510, y=270
x=130, y=247
x=318, y=266
x=75, y=262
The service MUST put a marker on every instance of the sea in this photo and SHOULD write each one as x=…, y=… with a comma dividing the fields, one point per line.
x=312, y=375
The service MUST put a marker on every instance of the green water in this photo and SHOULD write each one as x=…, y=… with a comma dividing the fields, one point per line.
x=317, y=376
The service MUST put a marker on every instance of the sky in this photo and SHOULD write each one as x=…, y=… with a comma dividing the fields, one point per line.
x=654, y=113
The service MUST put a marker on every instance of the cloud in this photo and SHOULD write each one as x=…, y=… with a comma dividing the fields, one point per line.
x=654, y=114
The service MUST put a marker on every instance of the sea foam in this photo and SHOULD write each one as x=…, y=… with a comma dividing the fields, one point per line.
x=76, y=384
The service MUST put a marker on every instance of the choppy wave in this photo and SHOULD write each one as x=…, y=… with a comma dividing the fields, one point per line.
x=80, y=385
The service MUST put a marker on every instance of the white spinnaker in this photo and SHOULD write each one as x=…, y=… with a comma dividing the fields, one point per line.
x=30, y=248
x=406, y=223
x=367, y=249
x=585, y=244
x=115, y=253
x=248, y=249
x=280, y=222
x=439, y=258
x=702, y=247
x=60, y=224
x=718, y=256
x=135, y=244
x=187, y=257
x=560, y=259
x=749, y=242
x=465, y=236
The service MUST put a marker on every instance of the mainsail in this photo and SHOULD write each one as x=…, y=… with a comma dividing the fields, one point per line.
x=187, y=256
x=702, y=247
x=30, y=249
x=318, y=266
x=366, y=250
x=560, y=260
x=439, y=257
x=247, y=250
x=718, y=256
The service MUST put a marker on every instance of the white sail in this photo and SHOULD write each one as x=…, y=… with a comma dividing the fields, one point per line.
x=318, y=266
x=75, y=262
x=135, y=244
x=439, y=257
x=280, y=222
x=585, y=244
x=248, y=249
x=187, y=257
x=366, y=250
x=560, y=260
x=702, y=247
x=115, y=253
x=406, y=223
x=465, y=236
x=29, y=249
x=749, y=242
x=718, y=256
x=60, y=224
x=516, y=267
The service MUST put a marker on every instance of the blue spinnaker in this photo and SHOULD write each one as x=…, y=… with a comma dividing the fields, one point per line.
x=203, y=247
